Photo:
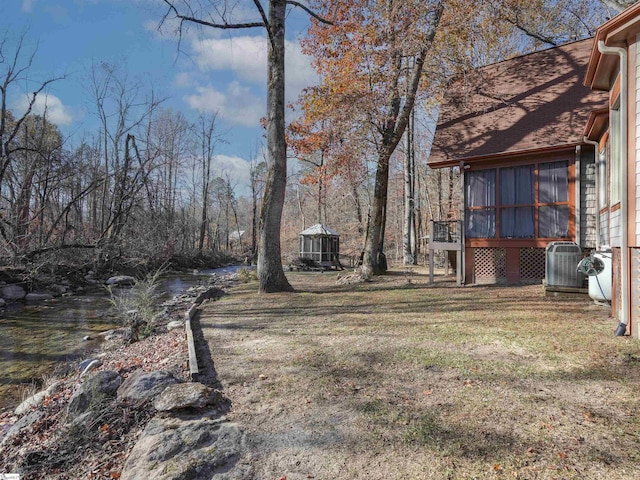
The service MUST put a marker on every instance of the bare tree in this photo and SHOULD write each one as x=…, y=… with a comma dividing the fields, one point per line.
x=207, y=138
x=14, y=68
x=270, y=272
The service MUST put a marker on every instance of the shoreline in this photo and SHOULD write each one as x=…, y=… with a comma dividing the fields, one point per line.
x=165, y=350
x=69, y=327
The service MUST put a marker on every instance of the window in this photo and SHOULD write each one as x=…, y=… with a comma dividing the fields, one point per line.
x=481, y=200
x=602, y=178
x=517, y=194
x=553, y=198
x=615, y=160
x=505, y=202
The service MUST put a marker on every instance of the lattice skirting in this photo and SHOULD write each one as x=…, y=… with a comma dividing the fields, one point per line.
x=532, y=264
x=490, y=265
x=526, y=265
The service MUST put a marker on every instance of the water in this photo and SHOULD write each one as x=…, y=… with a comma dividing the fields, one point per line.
x=35, y=338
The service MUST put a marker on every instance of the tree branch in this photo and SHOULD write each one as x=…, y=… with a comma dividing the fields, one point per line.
x=224, y=25
x=309, y=11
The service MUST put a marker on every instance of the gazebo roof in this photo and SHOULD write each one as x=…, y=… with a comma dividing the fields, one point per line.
x=319, y=229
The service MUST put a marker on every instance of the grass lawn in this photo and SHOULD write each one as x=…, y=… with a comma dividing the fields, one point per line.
x=397, y=379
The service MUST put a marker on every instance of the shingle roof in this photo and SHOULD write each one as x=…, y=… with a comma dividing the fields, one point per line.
x=319, y=229
x=523, y=104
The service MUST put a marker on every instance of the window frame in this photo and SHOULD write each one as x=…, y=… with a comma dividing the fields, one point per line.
x=497, y=207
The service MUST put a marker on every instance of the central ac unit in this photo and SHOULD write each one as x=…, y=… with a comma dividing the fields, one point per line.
x=561, y=265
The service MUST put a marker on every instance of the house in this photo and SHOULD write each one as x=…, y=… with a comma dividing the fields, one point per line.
x=515, y=130
x=614, y=68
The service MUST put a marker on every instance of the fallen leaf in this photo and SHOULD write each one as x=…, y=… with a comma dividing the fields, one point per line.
x=428, y=392
x=497, y=467
x=562, y=455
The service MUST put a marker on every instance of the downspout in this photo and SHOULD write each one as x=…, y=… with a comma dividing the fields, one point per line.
x=596, y=147
x=624, y=194
x=462, y=225
x=578, y=197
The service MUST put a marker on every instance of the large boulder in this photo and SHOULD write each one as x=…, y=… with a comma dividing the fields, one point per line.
x=121, y=281
x=38, y=296
x=34, y=401
x=12, y=292
x=93, y=391
x=25, y=422
x=211, y=293
x=141, y=385
x=172, y=449
x=187, y=395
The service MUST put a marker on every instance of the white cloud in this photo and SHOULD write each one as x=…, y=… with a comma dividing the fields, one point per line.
x=27, y=5
x=56, y=112
x=246, y=56
x=183, y=80
x=236, y=168
x=236, y=105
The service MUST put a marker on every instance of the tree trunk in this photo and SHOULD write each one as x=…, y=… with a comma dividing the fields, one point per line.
x=374, y=260
x=270, y=272
x=409, y=223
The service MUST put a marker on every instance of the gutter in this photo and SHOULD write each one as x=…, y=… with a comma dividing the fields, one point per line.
x=596, y=147
x=624, y=194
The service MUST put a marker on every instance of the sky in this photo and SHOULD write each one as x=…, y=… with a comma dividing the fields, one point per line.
x=210, y=70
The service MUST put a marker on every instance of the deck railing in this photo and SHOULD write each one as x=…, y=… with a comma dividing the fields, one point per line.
x=446, y=231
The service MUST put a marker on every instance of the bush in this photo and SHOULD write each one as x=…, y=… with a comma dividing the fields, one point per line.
x=246, y=275
x=137, y=306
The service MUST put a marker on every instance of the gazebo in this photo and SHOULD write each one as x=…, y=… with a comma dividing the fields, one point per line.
x=322, y=245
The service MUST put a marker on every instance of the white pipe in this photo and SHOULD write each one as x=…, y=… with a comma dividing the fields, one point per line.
x=596, y=150
x=624, y=195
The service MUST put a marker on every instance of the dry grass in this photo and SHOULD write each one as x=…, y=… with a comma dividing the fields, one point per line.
x=398, y=379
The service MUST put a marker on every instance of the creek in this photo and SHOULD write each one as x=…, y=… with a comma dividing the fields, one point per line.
x=36, y=338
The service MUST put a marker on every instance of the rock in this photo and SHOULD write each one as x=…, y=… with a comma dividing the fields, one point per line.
x=121, y=281
x=13, y=292
x=58, y=289
x=114, y=334
x=174, y=325
x=88, y=366
x=211, y=293
x=172, y=449
x=3, y=302
x=21, y=424
x=38, y=296
x=187, y=395
x=95, y=389
x=36, y=400
x=143, y=385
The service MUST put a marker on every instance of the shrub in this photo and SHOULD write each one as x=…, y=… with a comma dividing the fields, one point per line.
x=137, y=306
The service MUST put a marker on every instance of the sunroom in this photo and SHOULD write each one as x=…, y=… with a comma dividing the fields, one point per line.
x=515, y=132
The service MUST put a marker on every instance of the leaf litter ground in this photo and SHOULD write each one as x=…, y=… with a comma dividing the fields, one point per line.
x=398, y=379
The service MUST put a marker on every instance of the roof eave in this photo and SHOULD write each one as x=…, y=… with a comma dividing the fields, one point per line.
x=614, y=34
x=596, y=124
x=502, y=155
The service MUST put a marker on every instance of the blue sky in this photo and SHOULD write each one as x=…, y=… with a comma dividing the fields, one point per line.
x=214, y=71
